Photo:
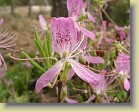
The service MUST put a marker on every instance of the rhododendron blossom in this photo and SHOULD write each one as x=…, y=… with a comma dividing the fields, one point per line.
x=123, y=68
x=66, y=44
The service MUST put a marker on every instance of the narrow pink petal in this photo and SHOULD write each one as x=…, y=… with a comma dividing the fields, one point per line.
x=104, y=25
x=42, y=22
x=91, y=17
x=48, y=76
x=71, y=74
x=124, y=67
x=117, y=27
x=84, y=73
x=87, y=33
x=127, y=84
x=3, y=62
x=70, y=100
x=1, y=22
x=93, y=59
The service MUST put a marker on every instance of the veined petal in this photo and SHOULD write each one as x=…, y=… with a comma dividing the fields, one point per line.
x=64, y=34
x=87, y=33
x=124, y=67
x=75, y=8
x=93, y=59
x=127, y=84
x=42, y=22
x=122, y=62
x=1, y=22
x=48, y=76
x=84, y=73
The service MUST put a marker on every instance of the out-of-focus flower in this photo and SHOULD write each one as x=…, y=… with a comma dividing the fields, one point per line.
x=65, y=43
x=123, y=68
x=27, y=64
x=43, y=23
x=75, y=9
x=7, y=40
x=8, y=82
x=91, y=17
x=121, y=31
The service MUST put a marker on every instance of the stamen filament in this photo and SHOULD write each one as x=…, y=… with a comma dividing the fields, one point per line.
x=76, y=47
x=31, y=58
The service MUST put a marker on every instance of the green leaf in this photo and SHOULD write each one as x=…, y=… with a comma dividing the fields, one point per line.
x=49, y=43
x=42, y=54
x=37, y=37
x=122, y=96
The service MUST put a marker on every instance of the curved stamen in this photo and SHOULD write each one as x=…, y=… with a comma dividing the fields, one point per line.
x=9, y=43
x=7, y=38
x=76, y=54
x=3, y=35
x=76, y=47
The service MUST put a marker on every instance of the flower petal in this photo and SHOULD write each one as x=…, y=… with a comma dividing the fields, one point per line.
x=64, y=34
x=1, y=22
x=71, y=74
x=70, y=100
x=84, y=73
x=124, y=67
x=93, y=59
x=87, y=33
x=91, y=17
x=127, y=84
x=42, y=22
x=75, y=8
x=48, y=76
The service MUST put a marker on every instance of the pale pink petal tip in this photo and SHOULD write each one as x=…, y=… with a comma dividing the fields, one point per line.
x=42, y=22
x=127, y=84
x=70, y=100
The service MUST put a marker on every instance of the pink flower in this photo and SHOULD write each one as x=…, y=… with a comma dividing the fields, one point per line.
x=65, y=43
x=121, y=32
x=123, y=63
x=43, y=23
x=123, y=68
x=75, y=8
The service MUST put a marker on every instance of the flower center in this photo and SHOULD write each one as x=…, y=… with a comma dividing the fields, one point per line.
x=63, y=37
